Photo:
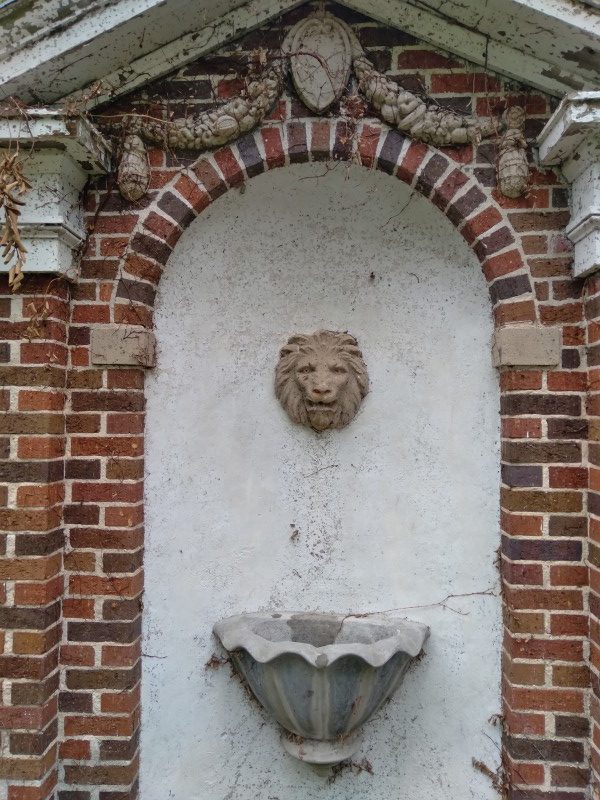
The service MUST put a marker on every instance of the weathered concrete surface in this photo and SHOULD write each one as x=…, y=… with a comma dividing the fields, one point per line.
x=526, y=346
x=122, y=345
x=247, y=511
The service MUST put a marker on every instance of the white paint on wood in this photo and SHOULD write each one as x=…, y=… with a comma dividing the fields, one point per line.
x=549, y=44
x=57, y=155
x=571, y=141
x=398, y=509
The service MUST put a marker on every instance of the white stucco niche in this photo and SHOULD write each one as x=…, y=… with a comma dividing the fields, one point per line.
x=246, y=511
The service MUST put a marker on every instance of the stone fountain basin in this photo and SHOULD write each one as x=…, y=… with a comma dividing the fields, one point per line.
x=321, y=675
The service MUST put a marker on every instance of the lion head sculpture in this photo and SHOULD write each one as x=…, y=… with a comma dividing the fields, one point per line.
x=321, y=379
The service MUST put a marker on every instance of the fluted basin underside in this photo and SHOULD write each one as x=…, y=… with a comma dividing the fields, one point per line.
x=321, y=675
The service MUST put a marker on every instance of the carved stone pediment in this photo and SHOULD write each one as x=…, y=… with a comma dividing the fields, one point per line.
x=320, y=53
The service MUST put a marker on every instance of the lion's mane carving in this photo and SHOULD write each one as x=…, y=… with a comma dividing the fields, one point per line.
x=321, y=379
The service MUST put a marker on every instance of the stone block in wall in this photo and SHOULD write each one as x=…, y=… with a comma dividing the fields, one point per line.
x=123, y=345
x=526, y=346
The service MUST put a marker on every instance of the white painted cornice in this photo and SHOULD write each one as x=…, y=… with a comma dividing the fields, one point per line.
x=547, y=44
x=571, y=141
x=58, y=155
x=57, y=48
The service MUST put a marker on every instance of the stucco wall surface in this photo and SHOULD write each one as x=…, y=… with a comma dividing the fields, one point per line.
x=398, y=510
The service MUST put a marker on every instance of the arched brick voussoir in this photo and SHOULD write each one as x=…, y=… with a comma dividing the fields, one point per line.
x=470, y=207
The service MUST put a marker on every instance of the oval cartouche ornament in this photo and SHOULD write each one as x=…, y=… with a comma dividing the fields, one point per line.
x=320, y=55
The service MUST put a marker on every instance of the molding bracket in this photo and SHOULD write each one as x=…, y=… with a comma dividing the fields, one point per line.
x=571, y=140
x=59, y=154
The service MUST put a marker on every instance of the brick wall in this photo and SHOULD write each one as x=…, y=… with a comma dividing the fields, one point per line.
x=526, y=260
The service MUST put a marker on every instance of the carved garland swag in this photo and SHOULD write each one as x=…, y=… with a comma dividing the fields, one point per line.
x=320, y=52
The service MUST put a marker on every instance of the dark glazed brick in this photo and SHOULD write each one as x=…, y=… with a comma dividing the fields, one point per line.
x=119, y=750
x=383, y=36
x=444, y=193
x=541, y=452
x=504, y=288
x=79, y=335
x=148, y=246
x=39, y=544
x=465, y=205
x=594, y=505
x=593, y=355
x=71, y=795
x=560, y=198
x=250, y=155
x=122, y=562
x=4, y=352
x=390, y=151
x=567, y=429
x=522, y=475
x=121, y=632
x=177, y=209
x=80, y=702
x=82, y=515
x=121, y=609
x=570, y=776
x=493, y=243
x=381, y=59
x=544, y=749
x=538, y=794
x=122, y=679
x=567, y=526
x=297, y=147
x=34, y=694
x=107, y=401
x=131, y=794
x=545, y=405
x=136, y=291
x=31, y=471
x=15, y=617
x=486, y=176
x=433, y=169
x=33, y=744
x=570, y=358
x=82, y=468
x=541, y=549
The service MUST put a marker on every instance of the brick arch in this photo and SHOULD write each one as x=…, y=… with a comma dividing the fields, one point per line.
x=472, y=209
x=544, y=467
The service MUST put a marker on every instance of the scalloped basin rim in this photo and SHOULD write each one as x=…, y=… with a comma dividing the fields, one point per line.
x=397, y=635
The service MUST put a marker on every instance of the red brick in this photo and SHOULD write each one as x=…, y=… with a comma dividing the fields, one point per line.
x=273, y=147
x=192, y=193
x=523, y=428
x=116, y=223
x=93, y=313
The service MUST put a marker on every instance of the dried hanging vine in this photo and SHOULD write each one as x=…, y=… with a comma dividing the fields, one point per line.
x=13, y=184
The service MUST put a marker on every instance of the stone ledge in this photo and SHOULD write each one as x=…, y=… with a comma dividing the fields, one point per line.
x=123, y=345
x=526, y=346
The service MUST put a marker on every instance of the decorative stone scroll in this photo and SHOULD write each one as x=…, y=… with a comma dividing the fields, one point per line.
x=321, y=379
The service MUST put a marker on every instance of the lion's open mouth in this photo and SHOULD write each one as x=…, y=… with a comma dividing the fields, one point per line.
x=319, y=405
